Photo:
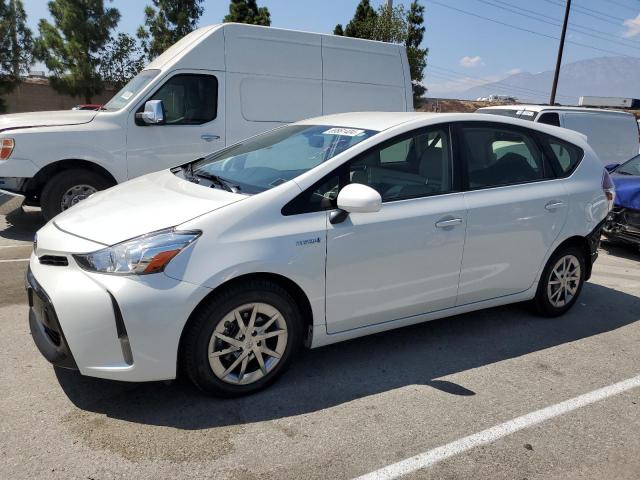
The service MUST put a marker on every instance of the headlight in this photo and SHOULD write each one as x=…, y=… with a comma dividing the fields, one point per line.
x=142, y=255
x=6, y=148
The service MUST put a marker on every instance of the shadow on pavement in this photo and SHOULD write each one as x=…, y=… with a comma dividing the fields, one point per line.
x=339, y=373
x=622, y=250
x=22, y=225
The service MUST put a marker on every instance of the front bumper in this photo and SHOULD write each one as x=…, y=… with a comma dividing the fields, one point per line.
x=45, y=328
x=623, y=224
x=116, y=327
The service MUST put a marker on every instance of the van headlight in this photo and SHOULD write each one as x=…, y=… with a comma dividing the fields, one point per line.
x=146, y=254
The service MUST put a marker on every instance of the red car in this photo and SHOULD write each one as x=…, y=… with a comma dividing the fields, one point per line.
x=87, y=106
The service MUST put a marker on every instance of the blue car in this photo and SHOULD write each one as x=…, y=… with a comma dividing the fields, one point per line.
x=623, y=223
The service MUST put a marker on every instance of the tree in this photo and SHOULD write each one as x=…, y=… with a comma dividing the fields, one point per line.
x=415, y=53
x=338, y=30
x=72, y=47
x=362, y=22
x=389, y=25
x=122, y=60
x=247, y=11
x=16, y=46
x=166, y=22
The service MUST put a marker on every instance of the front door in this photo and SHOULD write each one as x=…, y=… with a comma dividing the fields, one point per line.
x=194, y=112
x=405, y=259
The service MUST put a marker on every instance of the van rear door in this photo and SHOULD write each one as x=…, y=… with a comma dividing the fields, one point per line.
x=613, y=136
x=194, y=122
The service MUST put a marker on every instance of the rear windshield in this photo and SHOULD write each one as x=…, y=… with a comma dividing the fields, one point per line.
x=510, y=112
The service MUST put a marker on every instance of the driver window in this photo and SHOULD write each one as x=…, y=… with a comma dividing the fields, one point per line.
x=189, y=99
x=417, y=166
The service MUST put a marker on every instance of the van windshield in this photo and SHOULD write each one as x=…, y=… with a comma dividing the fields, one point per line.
x=131, y=89
x=270, y=159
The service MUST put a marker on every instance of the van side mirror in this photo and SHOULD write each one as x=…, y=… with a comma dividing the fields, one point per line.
x=153, y=113
x=357, y=198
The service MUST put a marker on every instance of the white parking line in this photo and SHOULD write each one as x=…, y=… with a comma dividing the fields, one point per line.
x=492, y=434
x=15, y=260
x=17, y=246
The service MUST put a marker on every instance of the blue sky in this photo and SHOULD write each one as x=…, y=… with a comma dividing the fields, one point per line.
x=464, y=49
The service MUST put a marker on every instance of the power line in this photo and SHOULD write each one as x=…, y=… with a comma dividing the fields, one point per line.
x=533, y=32
x=578, y=10
x=555, y=24
x=635, y=9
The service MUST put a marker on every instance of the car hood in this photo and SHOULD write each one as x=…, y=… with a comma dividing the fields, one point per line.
x=45, y=119
x=146, y=204
x=627, y=191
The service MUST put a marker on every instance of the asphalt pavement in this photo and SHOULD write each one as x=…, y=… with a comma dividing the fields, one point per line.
x=348, y=409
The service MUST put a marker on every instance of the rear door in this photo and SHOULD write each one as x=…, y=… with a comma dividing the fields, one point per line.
x=194, y=112
x=516, y=209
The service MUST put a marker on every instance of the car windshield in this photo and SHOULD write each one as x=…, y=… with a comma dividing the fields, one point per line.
x=270, y=159
x=631, y=167
x=131, y=89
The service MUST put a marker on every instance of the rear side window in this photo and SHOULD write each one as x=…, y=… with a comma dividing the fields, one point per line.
x=564, y=156
x=189, y=99
x=500, y=156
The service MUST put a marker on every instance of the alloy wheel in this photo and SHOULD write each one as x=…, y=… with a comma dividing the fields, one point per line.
x=564, y=281
x=247, y=343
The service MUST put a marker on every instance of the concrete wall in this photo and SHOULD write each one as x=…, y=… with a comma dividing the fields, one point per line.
x=37, y=95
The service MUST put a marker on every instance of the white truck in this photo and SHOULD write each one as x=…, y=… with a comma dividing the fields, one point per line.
x=614, y=135
x=216, y=86
x=611, y=102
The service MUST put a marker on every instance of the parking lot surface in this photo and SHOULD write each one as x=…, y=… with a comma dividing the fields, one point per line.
x=349, y=409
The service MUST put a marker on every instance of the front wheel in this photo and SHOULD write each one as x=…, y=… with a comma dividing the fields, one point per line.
x=561, y=282
x=69, y=187
x=242, y=339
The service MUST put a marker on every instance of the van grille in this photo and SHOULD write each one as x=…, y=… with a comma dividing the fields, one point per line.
x=54, y=260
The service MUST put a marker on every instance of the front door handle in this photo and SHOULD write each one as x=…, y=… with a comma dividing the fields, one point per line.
x=209, y=138
x=450, y=222
x=554, y=205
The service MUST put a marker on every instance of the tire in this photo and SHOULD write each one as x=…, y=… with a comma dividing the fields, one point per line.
x=548, y=302
x=218, y=316
x=54, y=191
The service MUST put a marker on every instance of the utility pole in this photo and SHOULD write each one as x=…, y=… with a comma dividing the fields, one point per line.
x=390, y=4
x=552, y=100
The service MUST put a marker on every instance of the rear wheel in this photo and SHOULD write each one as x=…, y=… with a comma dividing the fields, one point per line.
x=561, y=282
x=69, y=187
x=242, y=339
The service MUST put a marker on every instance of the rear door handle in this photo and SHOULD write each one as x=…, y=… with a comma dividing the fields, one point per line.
x=209, y=138
x=554, y=205
x=450, y=222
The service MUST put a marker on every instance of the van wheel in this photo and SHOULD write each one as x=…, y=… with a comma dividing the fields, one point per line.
x=561, y=282
x=242, y=339
x=69, y=187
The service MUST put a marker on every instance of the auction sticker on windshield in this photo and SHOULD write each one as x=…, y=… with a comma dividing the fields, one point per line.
x=347, y=132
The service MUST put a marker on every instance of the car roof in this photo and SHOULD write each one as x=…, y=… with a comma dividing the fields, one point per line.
x=541, y=108
x=380, y=121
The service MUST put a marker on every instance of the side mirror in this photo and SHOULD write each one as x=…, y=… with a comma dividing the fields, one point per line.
x=611, y=167
x=153, y=113
x=358, y=198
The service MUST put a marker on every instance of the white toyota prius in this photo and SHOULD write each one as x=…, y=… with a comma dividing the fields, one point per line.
x=313, y=233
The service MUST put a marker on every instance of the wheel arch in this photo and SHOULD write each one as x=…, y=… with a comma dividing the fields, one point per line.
x=584, y=244
x=34, y=187
x=300, y=297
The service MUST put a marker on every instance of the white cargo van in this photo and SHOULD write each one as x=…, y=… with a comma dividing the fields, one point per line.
x=614, y=135
x=216, y=86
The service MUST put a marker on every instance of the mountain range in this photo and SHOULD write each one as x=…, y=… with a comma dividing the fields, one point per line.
x=604, y=76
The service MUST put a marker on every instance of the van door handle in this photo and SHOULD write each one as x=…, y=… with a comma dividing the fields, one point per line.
x=209, y=138
x=553, y=205
x=450, y=222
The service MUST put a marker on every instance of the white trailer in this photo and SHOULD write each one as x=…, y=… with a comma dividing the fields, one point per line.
x=617, y=102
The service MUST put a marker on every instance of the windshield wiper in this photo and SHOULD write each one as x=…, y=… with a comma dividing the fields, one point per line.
x=219, y=181
x=622, y=172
